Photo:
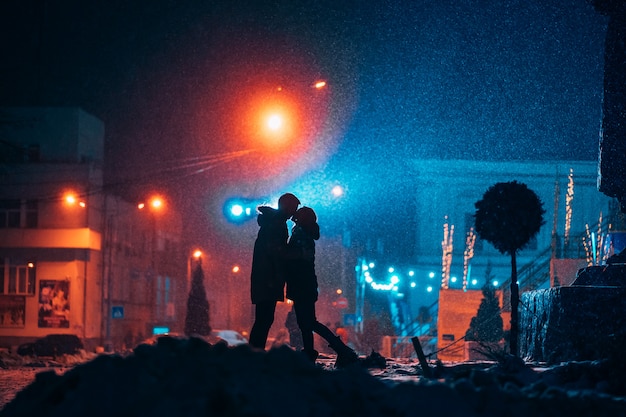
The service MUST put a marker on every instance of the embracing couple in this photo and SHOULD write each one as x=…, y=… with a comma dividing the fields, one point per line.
x=278, y=260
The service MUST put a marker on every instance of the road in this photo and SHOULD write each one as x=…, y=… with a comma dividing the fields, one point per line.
x=15, y=379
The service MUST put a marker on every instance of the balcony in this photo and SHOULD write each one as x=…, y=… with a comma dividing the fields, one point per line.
x=83, y=238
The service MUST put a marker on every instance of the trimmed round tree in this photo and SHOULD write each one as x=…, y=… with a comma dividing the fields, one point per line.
x=509, y=216
x=197, y=319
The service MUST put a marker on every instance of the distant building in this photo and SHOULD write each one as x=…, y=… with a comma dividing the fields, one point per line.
x=73, y=257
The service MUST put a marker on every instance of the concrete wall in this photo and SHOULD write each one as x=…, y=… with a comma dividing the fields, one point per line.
x=572, y=323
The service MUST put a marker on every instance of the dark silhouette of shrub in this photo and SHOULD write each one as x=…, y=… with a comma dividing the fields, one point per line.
x=487, y=325
x=197, y=319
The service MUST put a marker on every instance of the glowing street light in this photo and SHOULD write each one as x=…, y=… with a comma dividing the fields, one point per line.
x=155, y=202
x=337, y=191
x=275, y=122
x=71, y=199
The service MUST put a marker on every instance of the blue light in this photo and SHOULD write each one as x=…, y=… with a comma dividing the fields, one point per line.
x=411, y=273
x=236, y=210
x=239, y=210
x=160, y=330
x=431, y=275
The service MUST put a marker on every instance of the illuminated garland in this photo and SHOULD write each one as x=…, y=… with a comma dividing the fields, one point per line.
x=468, y=255
x=569, y=196
x=596, y=245
x=446, y=259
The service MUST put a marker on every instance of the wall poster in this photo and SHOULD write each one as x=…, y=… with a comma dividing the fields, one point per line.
x=12, y=310
x=54, y=303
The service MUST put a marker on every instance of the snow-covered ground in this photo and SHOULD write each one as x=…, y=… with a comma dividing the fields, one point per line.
x=193, y=378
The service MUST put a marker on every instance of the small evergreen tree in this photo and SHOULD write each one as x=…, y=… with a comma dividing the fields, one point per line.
x=197, y=319
x=487, y=325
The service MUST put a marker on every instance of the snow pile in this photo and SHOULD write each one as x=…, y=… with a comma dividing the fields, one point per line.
x=12, y=360
x=192, y=378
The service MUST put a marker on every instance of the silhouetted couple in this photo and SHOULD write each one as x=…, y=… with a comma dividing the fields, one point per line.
x=278, y=260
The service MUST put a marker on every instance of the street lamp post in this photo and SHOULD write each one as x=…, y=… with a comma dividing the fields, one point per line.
x=155, y=205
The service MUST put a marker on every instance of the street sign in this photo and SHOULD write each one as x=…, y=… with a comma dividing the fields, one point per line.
x=117, y=312
x=342, y=302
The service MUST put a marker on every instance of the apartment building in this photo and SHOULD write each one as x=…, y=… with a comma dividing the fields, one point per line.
x=75, y=258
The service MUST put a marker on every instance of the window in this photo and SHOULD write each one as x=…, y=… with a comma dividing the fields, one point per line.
x=18, y=213
x=17, y=279
x=31, y=214
x=10, y=213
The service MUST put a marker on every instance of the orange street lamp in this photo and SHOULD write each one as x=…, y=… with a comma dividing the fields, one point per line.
x=155, y=203
x=274, y=122
x=71, y=199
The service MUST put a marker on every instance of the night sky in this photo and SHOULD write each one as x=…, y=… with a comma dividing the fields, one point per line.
x=177, y=85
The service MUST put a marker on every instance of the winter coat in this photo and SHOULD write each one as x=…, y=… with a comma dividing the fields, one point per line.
x=301, y=278
x=267, y=279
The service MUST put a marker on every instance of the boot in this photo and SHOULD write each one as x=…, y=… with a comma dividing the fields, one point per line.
x=345, y=355
x=311, y=354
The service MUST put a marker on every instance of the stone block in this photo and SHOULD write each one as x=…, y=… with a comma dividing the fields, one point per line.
x=572, y=323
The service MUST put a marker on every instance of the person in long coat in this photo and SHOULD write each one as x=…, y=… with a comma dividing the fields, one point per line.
x=302, y=288
x=267, y=279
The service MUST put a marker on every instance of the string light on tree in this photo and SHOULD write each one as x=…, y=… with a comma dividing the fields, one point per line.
x=569, y=197
x=468, y=254
x=446, y=246
x=596, y=246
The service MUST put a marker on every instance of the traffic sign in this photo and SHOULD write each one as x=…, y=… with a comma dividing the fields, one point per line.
x=117, y=312
x=342, y=302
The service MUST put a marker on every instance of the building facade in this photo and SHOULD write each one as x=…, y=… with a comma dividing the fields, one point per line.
x=74, y=258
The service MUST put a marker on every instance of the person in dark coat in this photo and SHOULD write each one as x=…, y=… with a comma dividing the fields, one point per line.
x=295, y=335
x=267, y=279
x=302, y=288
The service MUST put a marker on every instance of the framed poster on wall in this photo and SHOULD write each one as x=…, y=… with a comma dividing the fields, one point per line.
x=54, y=303
x=12, y=310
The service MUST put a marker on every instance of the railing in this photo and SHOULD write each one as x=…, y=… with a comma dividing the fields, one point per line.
x=417, y=328
x=531, y=276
